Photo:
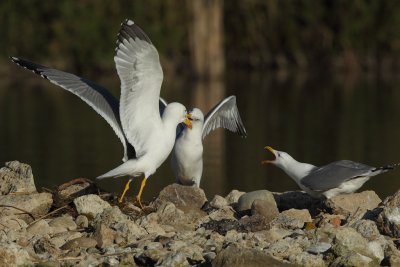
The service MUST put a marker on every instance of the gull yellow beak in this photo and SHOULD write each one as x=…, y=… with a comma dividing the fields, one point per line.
x=188, y=120
x=272, y=151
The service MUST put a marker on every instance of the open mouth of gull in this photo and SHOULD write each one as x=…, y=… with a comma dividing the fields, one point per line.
x=267, y=161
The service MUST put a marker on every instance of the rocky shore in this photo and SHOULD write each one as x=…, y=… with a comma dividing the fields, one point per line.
x=79, y=225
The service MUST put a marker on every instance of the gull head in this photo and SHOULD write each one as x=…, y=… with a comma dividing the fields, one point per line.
x=197, y=118
x=178, y=114
x=282, y=159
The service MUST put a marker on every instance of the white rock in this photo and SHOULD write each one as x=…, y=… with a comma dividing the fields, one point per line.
x=11, y=222
x=65, y=221
x=60, y=239
x=376, y=250
x=16, y=177
x=12, y=254
x=129, y=231
x=37, y=204
x=40, y=228
x=110, y=216
x=218, y=202
x=90, y=205
x=82, y=221
x=233, y=196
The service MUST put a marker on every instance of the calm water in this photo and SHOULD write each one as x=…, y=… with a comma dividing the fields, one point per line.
x=315, y=119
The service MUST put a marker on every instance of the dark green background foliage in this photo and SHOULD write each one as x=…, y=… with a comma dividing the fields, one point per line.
x=257, y=33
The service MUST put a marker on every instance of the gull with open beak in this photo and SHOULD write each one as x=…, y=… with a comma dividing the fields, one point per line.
x=336, y=178
x=147, y=136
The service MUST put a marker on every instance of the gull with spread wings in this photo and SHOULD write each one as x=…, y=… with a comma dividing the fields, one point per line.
x=148, y=137
x=187, y=155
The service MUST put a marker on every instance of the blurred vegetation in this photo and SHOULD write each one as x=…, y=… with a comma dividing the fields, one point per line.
x=359, y=34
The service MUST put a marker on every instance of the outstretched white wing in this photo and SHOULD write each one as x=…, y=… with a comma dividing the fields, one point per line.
x=101, y=100
x=225, y=114
x=140, y=72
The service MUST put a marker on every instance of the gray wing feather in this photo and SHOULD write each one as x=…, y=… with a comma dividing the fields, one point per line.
x=225, y=114
x=101, y=100
x=334, y=174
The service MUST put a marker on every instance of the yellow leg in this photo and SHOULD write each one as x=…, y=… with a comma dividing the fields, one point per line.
x=138, y=197
x=126, y=189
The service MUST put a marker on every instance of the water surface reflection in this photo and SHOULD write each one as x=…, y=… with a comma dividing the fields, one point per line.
x=316, y=120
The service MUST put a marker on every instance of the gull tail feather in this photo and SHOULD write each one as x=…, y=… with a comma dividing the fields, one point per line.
x=386, y=168
x=125, y=169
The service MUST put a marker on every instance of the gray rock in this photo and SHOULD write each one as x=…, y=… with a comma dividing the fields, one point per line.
x=306, y=259
x=265, y=209
x=319, y=247
x=110, y=216
x=150, y=224
x=16, y=177
x=129, y=231
x=367, y=229
x=285, y=247
x=183, y=197
x=209, y=256
x=191, y=251
x=218, y=202
x=87, y=261
x=10, y=222
x=247, y=199
x=61, y=238
x=12, y=254
x=286, y=222
x=104, y=236
x=127, y=260
x=272, y=235
x=353, y=259
x=348, y=240
x=19, y=236
x=389, y=219
x=39, y=228
x=80, y=242
x=349, y=203
x=65, y=221
x=376, y=249
x=233, y=196
x=23, y=241
x=301, y=215
x=37, y=204
x=82, y=221
x=174, y=259
x=224, y=213
x=168, y=213
x=234, y=256
x=90, y=205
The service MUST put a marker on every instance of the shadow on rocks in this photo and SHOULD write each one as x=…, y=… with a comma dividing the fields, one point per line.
x=299, y=200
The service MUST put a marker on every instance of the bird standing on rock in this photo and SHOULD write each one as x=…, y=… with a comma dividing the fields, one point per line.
x=336, y=178
x=187, y=155
x=148, y=138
